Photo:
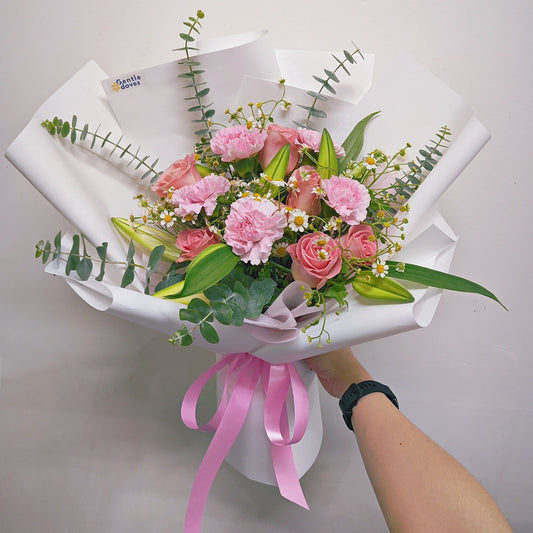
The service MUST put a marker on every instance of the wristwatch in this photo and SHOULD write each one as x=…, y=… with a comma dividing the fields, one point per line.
x=356, y=391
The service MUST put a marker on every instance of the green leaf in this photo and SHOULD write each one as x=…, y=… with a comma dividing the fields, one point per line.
x=370, y=286
x=318, y=113
x=318, y=96
x=128, y=276
x=102, y=254
x=46, y=252
x=327, y=163
x=65, y=129
x=39, y=249
x=131, y=252
x=209, y=333
x=354, y=142
x=74, y=255
x=190, y=315
x=84, y=132
x=332, y=75
x=84, y=268
x=223, y=312
x=57, y=245
x=202, y=308
x=435, y=278
x=153, y=264
x=186, y=37
x=206, y=269
x=277, y=168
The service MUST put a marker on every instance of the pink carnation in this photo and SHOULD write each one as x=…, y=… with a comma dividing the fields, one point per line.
x=180, y=173
x=348, y=197
x=311, y=140
x=237, y=142
x=252, y=227
x=192, y=241
x=203, y=194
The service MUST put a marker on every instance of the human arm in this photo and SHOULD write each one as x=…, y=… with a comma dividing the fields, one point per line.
x=419, y=486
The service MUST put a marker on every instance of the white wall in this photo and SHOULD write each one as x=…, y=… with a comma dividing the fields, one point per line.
x=90, y=436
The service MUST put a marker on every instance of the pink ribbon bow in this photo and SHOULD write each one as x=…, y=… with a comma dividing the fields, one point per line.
x=244, y=372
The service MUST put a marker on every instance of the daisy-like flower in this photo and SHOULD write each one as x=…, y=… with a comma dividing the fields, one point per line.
x=189, y=217
x=167, y=219
x=370, y=162
x=298, y=220
x=280, y=249
x=333, y=224
x=279, y=183
x=380, y=268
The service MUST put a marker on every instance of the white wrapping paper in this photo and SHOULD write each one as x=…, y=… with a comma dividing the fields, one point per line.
x=89, y=190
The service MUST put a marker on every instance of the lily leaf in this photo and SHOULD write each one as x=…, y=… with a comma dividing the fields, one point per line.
x=206, y=269
x=435, y=278
x=327, y=164
x=370, y=286
x=354, y=142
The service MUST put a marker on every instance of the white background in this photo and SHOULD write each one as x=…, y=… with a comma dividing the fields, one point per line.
x=90, y=435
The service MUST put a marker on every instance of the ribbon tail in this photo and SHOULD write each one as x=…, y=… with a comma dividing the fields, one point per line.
x=286, y=475
x=228, y=430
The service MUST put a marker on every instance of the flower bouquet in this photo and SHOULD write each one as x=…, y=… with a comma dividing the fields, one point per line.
x=267, y=240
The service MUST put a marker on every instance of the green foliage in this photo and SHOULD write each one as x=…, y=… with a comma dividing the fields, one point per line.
x=353, y=144
x=435, y=278
x=326, y=84
x=425, y=162
x=191, y=74
x=207, y=268
x=235, y=298
x=64, y=128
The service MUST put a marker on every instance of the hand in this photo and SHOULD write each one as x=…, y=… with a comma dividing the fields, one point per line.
x=337, y=370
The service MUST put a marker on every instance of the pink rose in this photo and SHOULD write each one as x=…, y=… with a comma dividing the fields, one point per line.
x=252, y=227
x=304, y=180
x=356, y=243
x=237, y=142
x=277, y=138
x=316, y=258
x=182, y=172
x=192, y=241
x=203, y=194
x=348, y=197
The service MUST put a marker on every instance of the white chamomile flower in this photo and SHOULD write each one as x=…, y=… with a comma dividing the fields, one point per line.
x=323, y=254
x=189, y=217
x=370, y=162
x=380, y=268
x=280, y=249
x=298, y=220
x=279, y=183
x=319, y=191
x=167, y=218
x=334, y=223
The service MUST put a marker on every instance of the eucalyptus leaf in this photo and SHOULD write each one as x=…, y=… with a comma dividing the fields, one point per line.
x=209, y=333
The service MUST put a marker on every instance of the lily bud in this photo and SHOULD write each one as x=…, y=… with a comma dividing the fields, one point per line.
x=148, y=238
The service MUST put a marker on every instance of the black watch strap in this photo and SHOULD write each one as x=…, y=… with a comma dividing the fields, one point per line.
x=356, y=391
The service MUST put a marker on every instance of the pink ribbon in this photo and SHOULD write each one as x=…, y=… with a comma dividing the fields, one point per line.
x=243, y=373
